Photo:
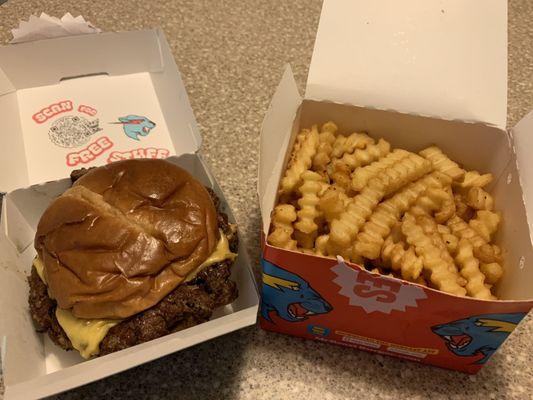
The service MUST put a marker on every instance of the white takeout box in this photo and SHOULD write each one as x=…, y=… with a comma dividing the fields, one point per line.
x=32, y=365
x=416, y=73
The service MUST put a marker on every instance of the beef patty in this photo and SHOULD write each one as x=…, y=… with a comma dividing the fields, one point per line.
x=191, y=303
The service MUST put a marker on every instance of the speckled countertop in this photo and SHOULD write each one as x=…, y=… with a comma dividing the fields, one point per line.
x=231, y=54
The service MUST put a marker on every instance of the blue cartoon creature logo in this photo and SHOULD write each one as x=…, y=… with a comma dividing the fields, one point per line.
x=481, y=334
x=289, y=296
x=135, y=126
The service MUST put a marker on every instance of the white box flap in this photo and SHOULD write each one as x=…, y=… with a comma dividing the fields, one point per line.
x=5, y=84
x=523, y=143
x=275, y=135
x=443, y=58
x=47, y=62
x=89, y=100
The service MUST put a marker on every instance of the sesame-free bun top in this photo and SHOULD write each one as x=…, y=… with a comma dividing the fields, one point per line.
x=124, y=236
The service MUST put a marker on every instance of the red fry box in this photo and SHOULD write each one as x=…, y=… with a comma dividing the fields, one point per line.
x=416, y=74
x=85, y=101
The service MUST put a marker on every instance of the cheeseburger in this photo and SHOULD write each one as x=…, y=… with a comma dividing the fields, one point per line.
x=132, y=251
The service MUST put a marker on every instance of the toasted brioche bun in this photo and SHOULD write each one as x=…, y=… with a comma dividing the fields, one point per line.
x=124, y=236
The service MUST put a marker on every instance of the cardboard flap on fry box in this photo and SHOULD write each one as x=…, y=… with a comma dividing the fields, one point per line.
x=445, y=58
x=84, y=101
x=275, y=135
x=523, y=142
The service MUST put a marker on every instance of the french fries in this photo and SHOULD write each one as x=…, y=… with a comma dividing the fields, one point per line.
x=418, y=217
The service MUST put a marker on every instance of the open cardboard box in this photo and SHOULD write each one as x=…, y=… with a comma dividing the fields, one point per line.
x=415, y=73
x=139, y=77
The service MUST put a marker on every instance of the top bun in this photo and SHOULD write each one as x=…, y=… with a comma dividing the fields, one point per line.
x=124, y=236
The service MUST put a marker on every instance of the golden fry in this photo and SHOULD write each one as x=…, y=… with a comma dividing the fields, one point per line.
x=450, y=240
x=485, y=224
x=332, y=203
x=362, y=157
x=347, y=144
x=361, y=176
x=469, y=269
x=442, y=163
x=482, y=250
x=479, y=199
x=308, y=202
x=389, y=212
x=282, y=218
x=344, y=229
x=492, y=271
x=326, y=138
x=473, y=179
x=307, y=144
x=320, y=245
x=305, y=240
x=440, y=274
x=463, y=210
x=339, y=173
x=394, y=256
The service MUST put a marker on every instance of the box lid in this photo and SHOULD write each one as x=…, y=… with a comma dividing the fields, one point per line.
x=441, y=58
x=105, y=79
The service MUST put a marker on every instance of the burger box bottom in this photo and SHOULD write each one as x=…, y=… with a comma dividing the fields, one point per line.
x=338, y=302
x=89, y=81
x=32, y=365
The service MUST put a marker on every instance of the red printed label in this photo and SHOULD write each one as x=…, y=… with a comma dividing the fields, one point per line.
x=87, y=110
x=90, y=152
x=149, y=152
x=52, y=110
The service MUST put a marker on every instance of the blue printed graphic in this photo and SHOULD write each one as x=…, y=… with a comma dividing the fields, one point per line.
x=289, y=296
x=480, y=334
x=135, y=126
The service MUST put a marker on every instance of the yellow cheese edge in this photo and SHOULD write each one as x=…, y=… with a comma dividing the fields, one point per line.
x=86, y=334
x=221, y=253
x=39, y=267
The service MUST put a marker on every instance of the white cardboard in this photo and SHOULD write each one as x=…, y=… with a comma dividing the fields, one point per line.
x=125, y=95
x=105, y=80
x=34, y=367
x=443, y=58
x=523, y=144
x=47, y=62
x=5, y=84
x=274, y=140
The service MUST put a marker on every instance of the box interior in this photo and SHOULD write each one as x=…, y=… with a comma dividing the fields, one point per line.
x=28, y=357
x=139, y=65
x=474, y=145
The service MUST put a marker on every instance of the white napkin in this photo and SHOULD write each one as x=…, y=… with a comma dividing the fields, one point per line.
x=45, y=26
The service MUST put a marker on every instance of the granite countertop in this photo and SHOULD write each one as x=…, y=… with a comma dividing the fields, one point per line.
x=231, y=55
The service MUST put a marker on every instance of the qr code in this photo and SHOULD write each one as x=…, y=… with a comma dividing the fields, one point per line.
x=72, y=131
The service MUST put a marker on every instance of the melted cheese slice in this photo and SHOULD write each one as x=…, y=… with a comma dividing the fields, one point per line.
x=86, y=334
x=39, y=267
x=221, y=253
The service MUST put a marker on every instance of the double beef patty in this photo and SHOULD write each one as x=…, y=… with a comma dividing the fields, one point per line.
x=189, y=304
